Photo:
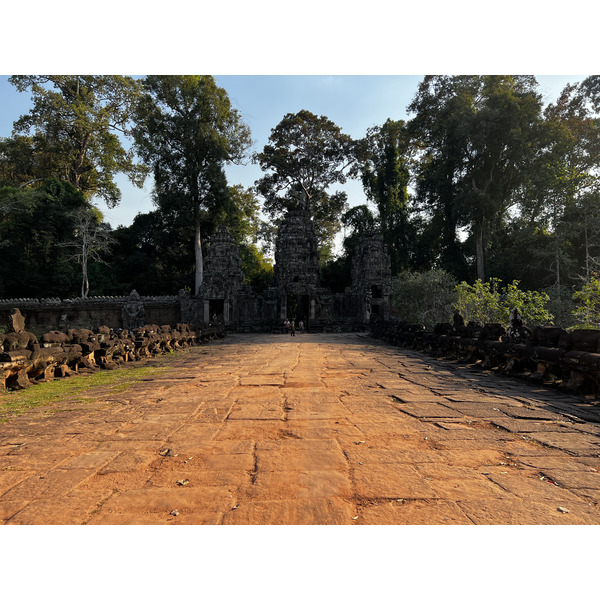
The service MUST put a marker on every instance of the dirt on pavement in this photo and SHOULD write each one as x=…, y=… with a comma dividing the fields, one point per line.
x=312, y=429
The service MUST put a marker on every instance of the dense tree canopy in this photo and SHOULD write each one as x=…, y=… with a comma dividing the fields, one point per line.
x=72, y=133
x=37, y=226
x=478, y=138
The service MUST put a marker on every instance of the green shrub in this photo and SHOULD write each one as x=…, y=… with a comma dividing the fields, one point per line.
x=587, y=313
x=424, y=297
x=485, y=302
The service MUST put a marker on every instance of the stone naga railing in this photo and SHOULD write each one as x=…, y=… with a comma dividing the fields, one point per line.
x=551, y=355
x=24, y=359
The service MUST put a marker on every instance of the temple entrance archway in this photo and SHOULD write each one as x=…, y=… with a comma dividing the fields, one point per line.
x=298, y=308
x=216, y=308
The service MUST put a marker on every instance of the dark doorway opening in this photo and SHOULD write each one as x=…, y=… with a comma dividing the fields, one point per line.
x=298, y=309
x=376, y=291
x=216, y=308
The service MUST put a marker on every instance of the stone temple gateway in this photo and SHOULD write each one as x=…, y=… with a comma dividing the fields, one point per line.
x=298, y=292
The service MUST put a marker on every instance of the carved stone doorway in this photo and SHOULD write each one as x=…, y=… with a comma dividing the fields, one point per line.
x=298, y=308
x=216, y=308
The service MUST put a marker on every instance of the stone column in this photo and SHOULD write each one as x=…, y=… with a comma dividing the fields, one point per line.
x=312, y=309
x=283, y=314
x=226, y=311
x=206, y=311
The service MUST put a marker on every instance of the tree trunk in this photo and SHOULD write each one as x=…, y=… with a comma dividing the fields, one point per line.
x=557, y=259
x=479, y=250
x=199, y=260
x=85, y=284
x=587, y=245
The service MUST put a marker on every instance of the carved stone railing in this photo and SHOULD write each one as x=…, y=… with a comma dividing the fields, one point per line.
x=569, y=361
x=24, y=358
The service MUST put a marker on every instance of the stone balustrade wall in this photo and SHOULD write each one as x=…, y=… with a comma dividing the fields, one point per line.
x=25, y=359
x=54, y=313
x=570, y=361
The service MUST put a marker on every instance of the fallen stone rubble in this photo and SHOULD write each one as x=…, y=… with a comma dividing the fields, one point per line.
x=24, y=359
x=550, y=355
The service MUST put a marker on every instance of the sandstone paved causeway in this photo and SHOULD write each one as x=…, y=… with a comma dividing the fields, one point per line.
x=311, y=429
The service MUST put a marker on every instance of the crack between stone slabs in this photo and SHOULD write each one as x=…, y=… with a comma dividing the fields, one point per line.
x=254, y=473
x=226, y=418
x=535, y=442
x=286, y=407
x=343, y=394
x=375, y=500
x=462, y=510
x=100, y=505
x=350, y=474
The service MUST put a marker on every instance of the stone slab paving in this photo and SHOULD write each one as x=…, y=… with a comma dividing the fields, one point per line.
x=312, y=429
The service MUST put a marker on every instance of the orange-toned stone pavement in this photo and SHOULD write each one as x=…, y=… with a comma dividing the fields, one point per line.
x=311, y=429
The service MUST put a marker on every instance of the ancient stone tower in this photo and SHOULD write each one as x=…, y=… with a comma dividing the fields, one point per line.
x=297, y=265
x=297, y=291
x=371, y=277
x=223, y=277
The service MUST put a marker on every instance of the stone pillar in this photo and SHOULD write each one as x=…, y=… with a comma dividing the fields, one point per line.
x=283, y=314
x=206, y=311
x=226, y=311
x=312, y=309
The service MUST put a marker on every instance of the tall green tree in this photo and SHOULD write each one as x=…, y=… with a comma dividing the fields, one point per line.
x=76, y=126
x=305, y=156
x=552, y=240
x=384, y=166
x=574, y=116
x=478, y=136
x=187, y=130
x=438, y=136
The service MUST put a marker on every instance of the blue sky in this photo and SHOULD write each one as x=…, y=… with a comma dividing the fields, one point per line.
x=353, y=102
x=275, y=58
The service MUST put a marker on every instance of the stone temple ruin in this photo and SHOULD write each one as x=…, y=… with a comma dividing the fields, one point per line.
x=298, y=292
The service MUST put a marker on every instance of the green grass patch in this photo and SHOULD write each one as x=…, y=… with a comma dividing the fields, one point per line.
x=72, y=388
